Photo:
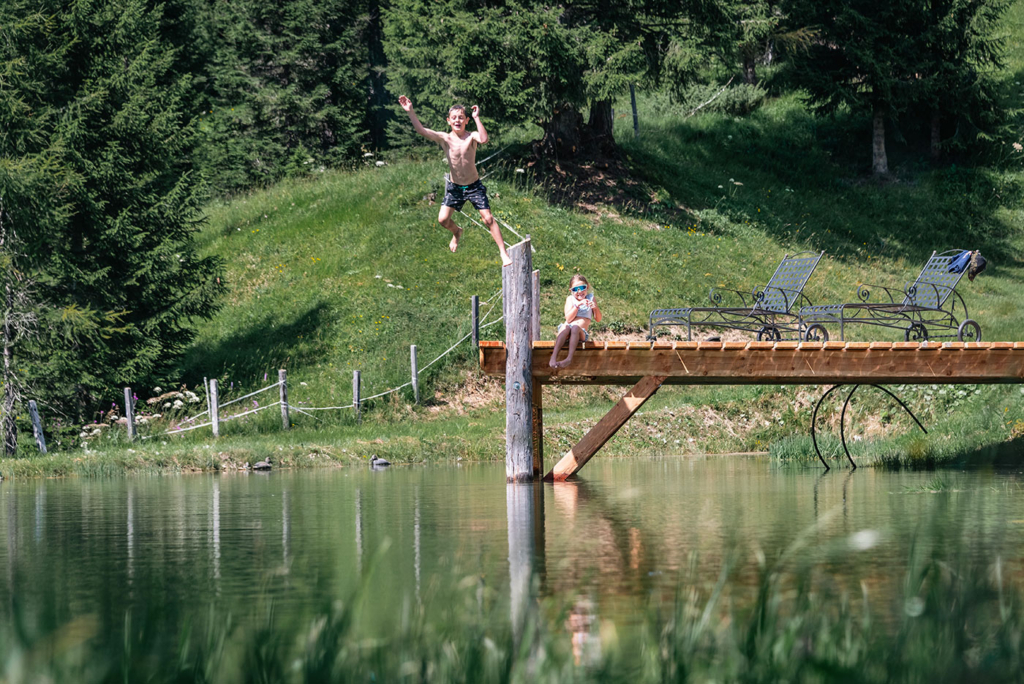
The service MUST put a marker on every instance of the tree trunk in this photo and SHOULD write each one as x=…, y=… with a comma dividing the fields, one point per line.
x=7, y=428
x=879, y=161
x=749, y=70
x=562, y=133
x=377, y=97
x=936, y=143
x=599, y=134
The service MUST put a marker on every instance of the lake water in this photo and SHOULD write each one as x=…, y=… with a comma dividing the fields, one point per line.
x=169, y=549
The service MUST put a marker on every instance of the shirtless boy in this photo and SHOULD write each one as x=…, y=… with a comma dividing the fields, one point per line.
x=463, y=181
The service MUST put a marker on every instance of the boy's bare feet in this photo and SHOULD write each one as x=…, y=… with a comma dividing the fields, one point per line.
x=454, y=244
x=553, y=363
x=562, y=364
x=506, y=260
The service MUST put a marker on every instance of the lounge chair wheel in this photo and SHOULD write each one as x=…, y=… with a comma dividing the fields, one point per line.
x=969, y=331
x=915, y=333
x=769, y=333
x=816, y=333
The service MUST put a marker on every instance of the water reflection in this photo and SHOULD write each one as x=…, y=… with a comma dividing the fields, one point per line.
x=215, y=515
x=525, y=514
x=599, y=551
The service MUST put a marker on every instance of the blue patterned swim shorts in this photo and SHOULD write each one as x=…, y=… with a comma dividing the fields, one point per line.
x=456, y=195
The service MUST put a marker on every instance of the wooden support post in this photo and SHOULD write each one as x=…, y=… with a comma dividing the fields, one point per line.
x=282, y=379
x=636, y=120
x=518, y=302
x=415, y=374
x=537, y=406
x=535, y=307
x=129, y=413
x=578, y=456
x=214, y=408
x=37, y=426
x=474, y=315
x=355, y=395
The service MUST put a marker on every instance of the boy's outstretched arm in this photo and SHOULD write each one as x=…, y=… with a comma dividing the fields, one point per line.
x=481, y=132
x=420, y=128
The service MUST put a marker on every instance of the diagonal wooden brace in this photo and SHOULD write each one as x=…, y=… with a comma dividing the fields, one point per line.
x=585, y=449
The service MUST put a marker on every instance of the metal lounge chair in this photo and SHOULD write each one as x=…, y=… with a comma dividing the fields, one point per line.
x=768, y=312
x=928, y=306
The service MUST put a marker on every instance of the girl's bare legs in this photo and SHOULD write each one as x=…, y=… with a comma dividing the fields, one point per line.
x=574, y=338
x=563, y=335
x=444, y=217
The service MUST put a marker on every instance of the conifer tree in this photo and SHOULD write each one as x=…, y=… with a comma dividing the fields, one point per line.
x=866, y=58
x=960, y=47
x=529, y=62
x=114, y=203
x=287, y=90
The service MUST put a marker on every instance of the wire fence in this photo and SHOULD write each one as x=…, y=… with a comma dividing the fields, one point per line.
x=478, y=324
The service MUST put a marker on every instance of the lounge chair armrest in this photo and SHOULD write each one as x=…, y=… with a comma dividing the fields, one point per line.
x=864, y=293
x=716, y=294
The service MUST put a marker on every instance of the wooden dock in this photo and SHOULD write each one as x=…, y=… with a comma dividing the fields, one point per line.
x=773, y=363
x=647, y=366
x=522, y=361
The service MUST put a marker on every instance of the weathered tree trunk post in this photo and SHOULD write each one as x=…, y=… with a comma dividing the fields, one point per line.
x=129, y=413
x=518, y=303
x=282, y=379
x=636, y=119
x=474, y=314
x=415, y=374
x=536, y=399
x=214, y=408
x=355, y=395
x=37, y=426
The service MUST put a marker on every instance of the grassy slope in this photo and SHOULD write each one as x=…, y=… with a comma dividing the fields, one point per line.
x=347, y=270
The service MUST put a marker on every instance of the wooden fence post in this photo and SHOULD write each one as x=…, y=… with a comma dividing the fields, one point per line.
x=415, y=374
x=282, y=379
x=355, y=395
x=37, y=426
x=535, y=307
x=474, y=313
x=214, y=408
x=129, y=413
x=518, y=303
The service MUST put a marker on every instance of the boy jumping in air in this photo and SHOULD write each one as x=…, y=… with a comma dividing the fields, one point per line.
x=463, y=183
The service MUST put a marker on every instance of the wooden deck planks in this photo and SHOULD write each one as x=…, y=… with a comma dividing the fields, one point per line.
x=811, y=363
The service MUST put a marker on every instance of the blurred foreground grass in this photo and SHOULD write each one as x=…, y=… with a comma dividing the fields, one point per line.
x=950, y=620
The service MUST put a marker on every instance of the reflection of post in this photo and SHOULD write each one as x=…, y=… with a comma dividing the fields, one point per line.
x=285, y=528
x=216, y=533
x=40, y=511
x=131, y=536
x=416, y=545
x=359, y=535
x=12, y=547
x=525, y=509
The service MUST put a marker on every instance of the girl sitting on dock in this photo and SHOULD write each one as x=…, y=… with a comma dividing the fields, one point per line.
x=580, y=308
